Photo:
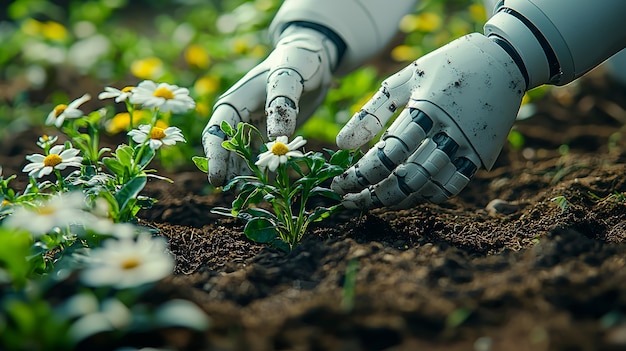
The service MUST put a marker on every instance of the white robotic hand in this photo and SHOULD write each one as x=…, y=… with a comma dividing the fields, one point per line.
x=286, y=87
x=459, y=101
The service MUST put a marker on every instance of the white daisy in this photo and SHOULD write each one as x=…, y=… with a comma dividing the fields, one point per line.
x=127, y=263
x=60, y=112
x=92, y=317
x=60, y=211
x=119, y=95
x=105, y=226
x=165, y=97
x=57, y=158
x=279, y=151
x=157, y=136
x=46, y=141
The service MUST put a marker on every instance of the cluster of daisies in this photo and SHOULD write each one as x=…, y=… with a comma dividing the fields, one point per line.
x=132, y=259
x=135, y=257
x=150, y=95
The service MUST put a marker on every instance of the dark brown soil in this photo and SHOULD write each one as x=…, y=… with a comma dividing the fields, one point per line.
x=521, y=274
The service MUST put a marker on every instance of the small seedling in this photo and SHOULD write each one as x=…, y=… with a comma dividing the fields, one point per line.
x=270, y=184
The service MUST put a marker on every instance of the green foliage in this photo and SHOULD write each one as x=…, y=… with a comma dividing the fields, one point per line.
x=516, y=139
x=28, y=323
x=14, y=253
x=284, y=225
x=562, y=202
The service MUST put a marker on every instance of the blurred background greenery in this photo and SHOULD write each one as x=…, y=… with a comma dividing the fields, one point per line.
x=54, y=51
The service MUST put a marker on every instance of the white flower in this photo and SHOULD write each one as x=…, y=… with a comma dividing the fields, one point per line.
x=58, y=115
x=279, y=151
x=46, y=141
x=119, y=95
x=93, y=317
x=157, y=136
x=60, y=211
x=57, y=158
x=126, y=263
x=165, y=97
x=105, y=226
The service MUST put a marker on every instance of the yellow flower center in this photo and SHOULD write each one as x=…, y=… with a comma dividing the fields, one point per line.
x=59, y=109
x=52, y=160
x=163, y=92
x=157, y=133
x=279, y=149
x=127, y=89
x=130, y=263
x=5, y=202
x=45, y=137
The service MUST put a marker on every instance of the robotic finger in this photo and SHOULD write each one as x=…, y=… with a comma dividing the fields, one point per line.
x=431, y=161
x=372, y=118
x=221, y=166
x=301, y=63
x=402, y=138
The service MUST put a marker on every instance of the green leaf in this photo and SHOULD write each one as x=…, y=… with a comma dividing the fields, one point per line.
x=281, y=245
x=327, y=173
x=259, y=212
x=246, y=182
x=321, y=213
x=13, y=251
x=260, y=230
x=227, y=128
x=124, y=154
x=103, y=151
x=129, y=192
x=318, y=190
x=223, y=211
x=146, y=157
x=114, y=166
x=202, y=163
x=247, y=196
x=340, y=158
x=114, y=207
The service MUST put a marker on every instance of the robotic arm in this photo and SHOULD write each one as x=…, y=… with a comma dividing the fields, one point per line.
x=460, y=101
x=314, y=40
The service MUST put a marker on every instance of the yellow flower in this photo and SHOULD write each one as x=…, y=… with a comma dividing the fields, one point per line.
x=121, y=121
x=240, y=45
x=54, y=31
x=203, y=109
x=206, y=85
x=148, y=68
x=423, y=22
x=196, y=56
x=405, y=53
x=478, y=13
x=408, y=23
x=428, y=22
x=259, y=51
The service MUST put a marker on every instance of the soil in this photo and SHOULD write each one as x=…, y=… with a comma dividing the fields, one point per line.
x=502, y=266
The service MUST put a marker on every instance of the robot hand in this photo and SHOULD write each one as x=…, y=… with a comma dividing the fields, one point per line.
x=459, y=101
x=288, y=85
